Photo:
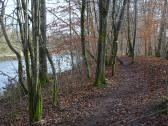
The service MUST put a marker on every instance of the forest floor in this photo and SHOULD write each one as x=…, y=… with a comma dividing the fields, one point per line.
x=131, y=98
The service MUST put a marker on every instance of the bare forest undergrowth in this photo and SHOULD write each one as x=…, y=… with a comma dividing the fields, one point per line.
x=128, y=100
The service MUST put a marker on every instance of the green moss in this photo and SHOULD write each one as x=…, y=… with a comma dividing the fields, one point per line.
x=101, y=82
x=44, y=80
x=38, y=107
x=162, y=107
x=101, y=85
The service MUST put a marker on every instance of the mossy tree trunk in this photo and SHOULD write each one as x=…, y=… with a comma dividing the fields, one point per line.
x=35, y=103
x=55, y=87
x=42, y=54
x=83, y=39
x=100, y=69
x=30, y=46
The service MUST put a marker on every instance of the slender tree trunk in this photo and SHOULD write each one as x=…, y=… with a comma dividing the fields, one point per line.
x=146, y=51
x=112, y=31
x=116, y=29
x=114, y=52
x=135, y=27
x=83, y=38
x=161, y=32
x=95, y=15
x=42, y=55
x=130, y=44
x=35, y=96
x=55, y=97
x=70, y=33
x=100, y=70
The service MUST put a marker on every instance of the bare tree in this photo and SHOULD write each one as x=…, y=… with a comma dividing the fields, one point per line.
x=116, y=25
x=162, y=30
x=100, y=69
x=20, y=66
x=42, y=55
x=83, y=38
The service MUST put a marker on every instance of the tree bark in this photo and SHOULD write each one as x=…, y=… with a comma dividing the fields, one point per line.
x=116, y=29
x=70, y=33
x=100, y=70
x=35, y=96
x=130, y=44
x=161, y=32
x=135, y=22
x=83, y=38
x=42, y=54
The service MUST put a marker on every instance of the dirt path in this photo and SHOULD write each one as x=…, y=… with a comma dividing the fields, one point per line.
x=128, y=103
x=124, y=103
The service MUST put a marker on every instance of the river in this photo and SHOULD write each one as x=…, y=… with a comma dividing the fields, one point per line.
x=8, y=68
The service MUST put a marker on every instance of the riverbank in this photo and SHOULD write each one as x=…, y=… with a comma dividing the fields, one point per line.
x=6, y=53
x=9, y=67
x=7, y=57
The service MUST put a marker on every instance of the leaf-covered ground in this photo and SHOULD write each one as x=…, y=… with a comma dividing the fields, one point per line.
x=130, y=99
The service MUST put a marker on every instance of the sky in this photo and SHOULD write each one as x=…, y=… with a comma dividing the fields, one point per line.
x=11, y=5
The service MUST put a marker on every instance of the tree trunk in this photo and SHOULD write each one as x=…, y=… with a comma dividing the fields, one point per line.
x=70, y=33
x=116, y=29
x=55, y=97
x=161, y=32
x=35, y=97
x=100, y=70
x=146, y=50
x=42, y=55
x=130, y=45
x=135, y=27
x=83, y=38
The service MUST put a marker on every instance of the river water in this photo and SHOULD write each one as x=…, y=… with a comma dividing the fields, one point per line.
x=8, y=68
